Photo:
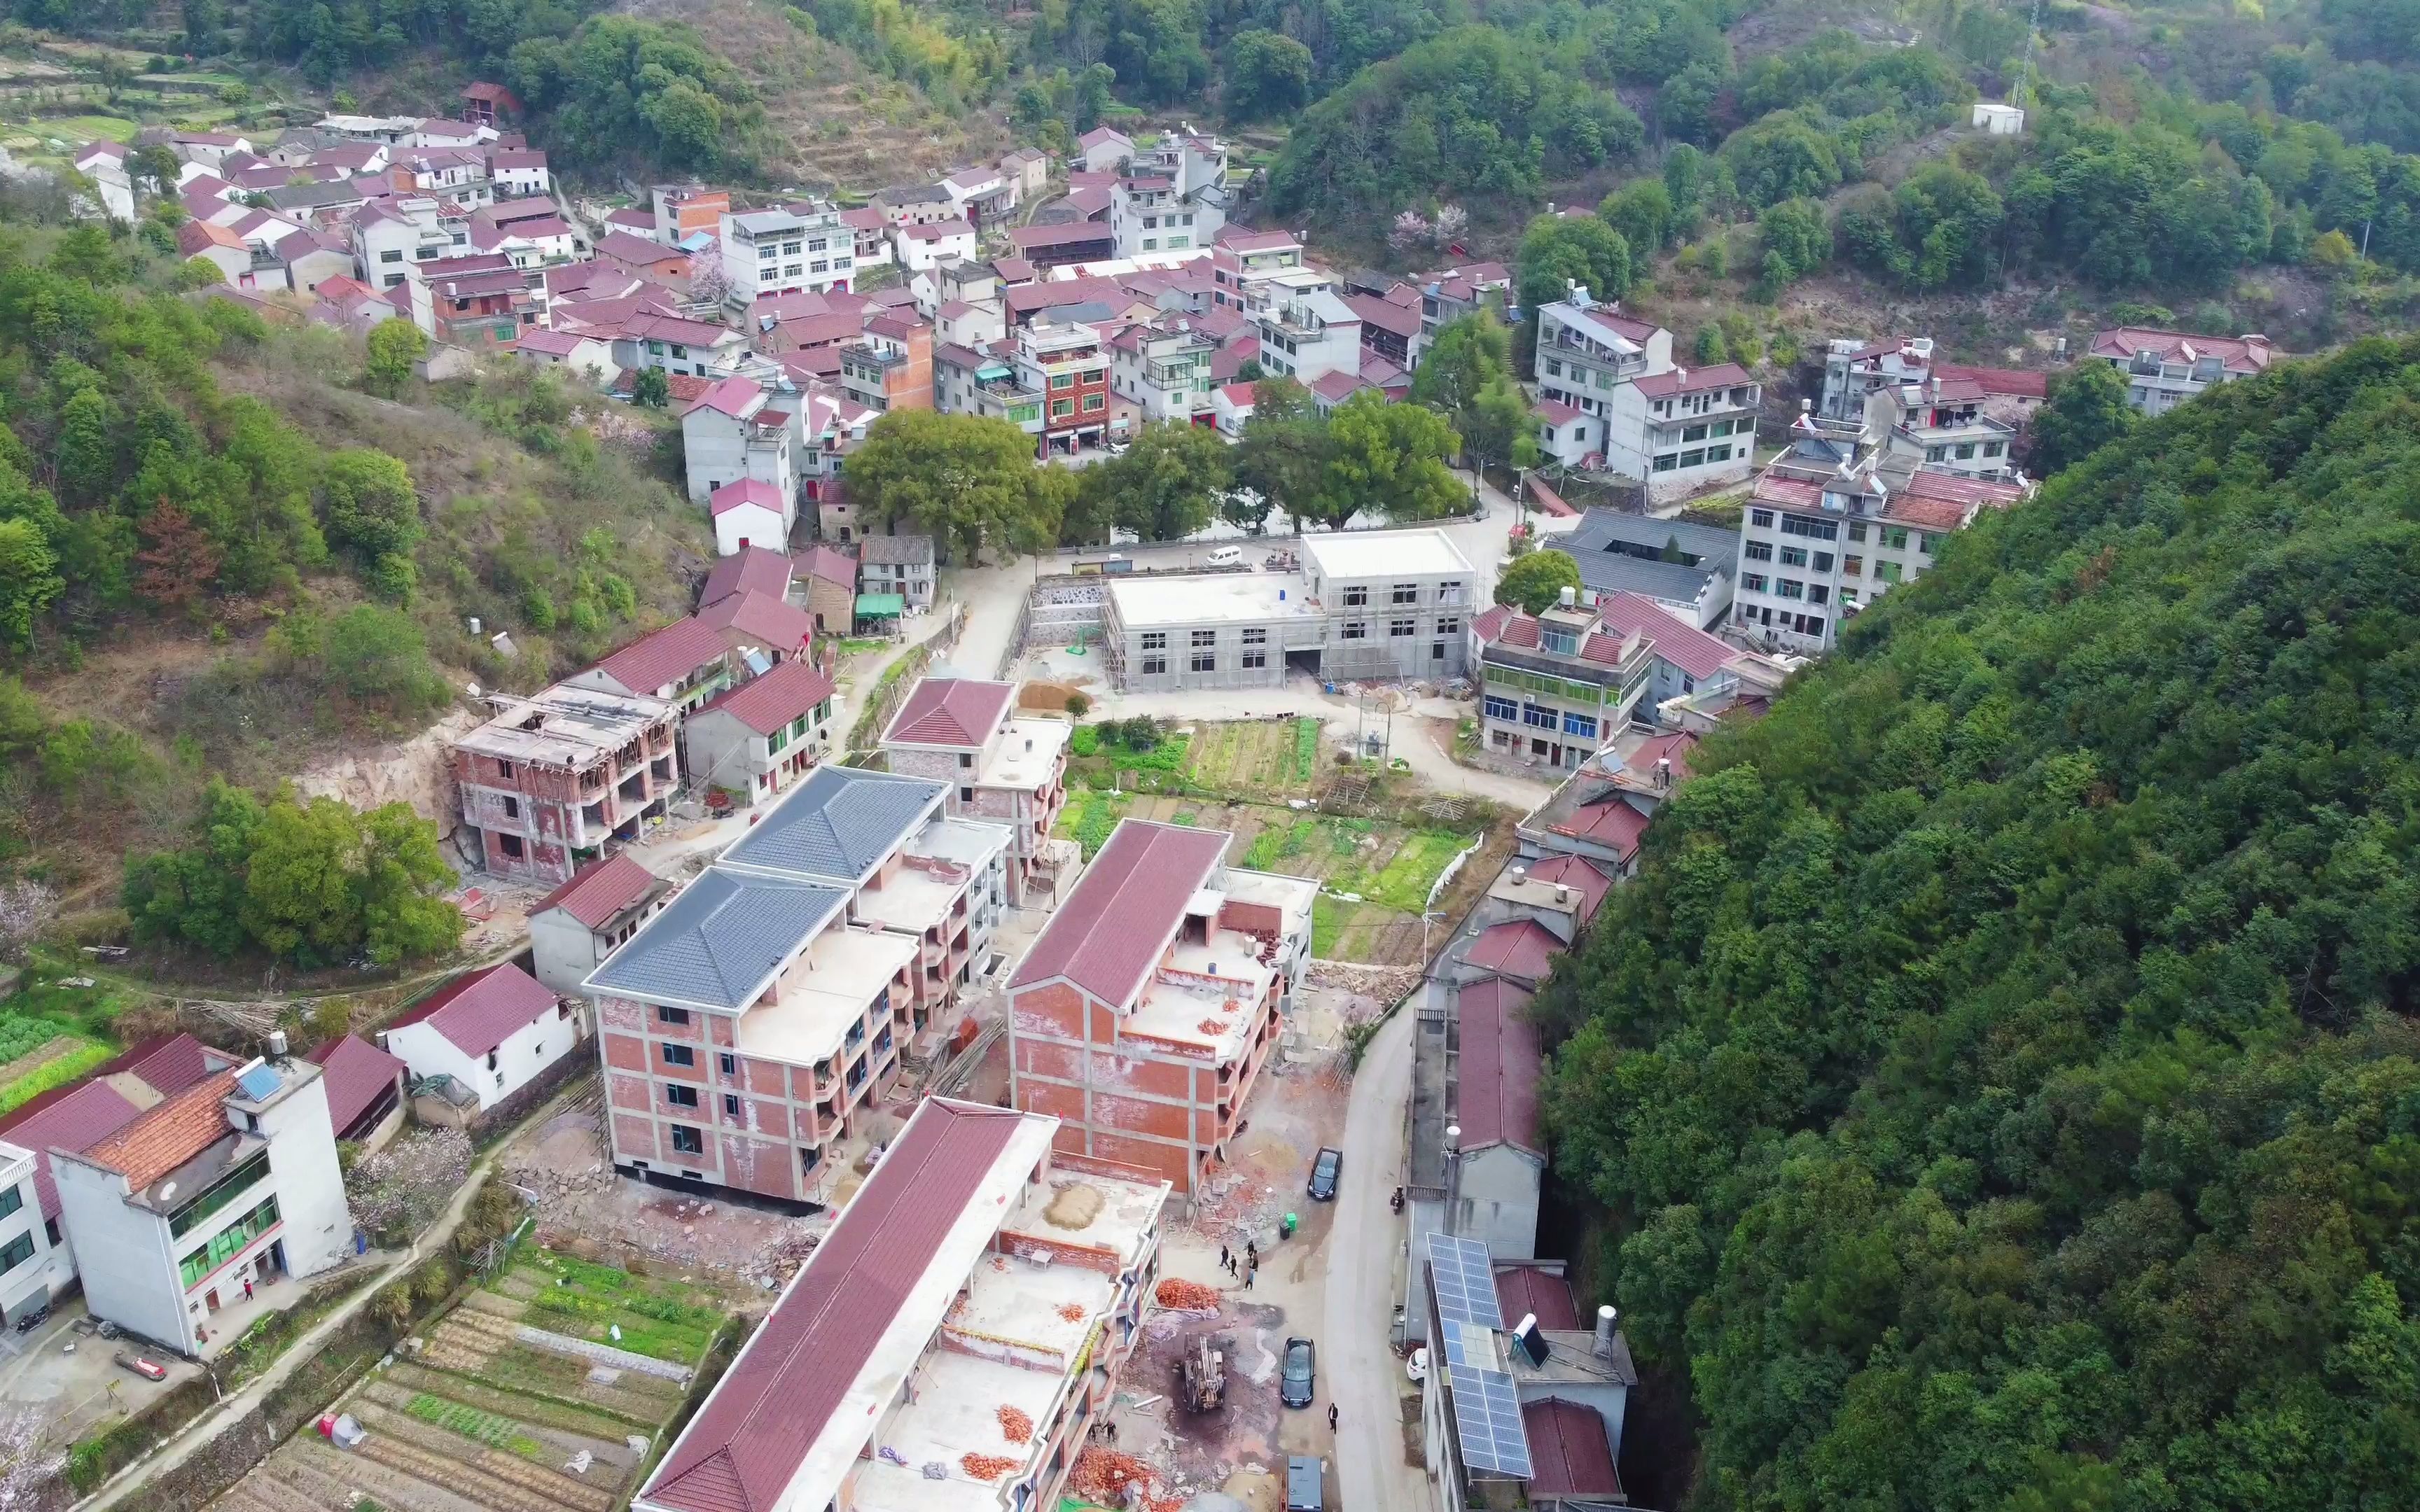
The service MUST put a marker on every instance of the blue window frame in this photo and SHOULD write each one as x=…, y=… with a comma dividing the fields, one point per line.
x=1542, y=717
x=1579, y=724
x=1501, y=708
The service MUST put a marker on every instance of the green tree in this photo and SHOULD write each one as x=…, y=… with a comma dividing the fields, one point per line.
x=1470, y=361
x=1284, y=454
x=967, y=480
x=1267, y=74
x=29, y=580
x=1537, y=580
x=1796, y=242
x=1169, y=483
x=2086, y=410
x=1642, y=212
x=394, y=347
x=378, y=654
x=1784, y=156
x=1388, y=459
x=1710, y=348
x=649, y=389
x=195, y=896
x=85, y=453
x=405, y=914
x=301, y=901
x=368, y=502
x=1557, y=250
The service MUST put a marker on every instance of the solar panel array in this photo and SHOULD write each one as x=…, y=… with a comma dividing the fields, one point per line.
x=1466, y=1344
x=259, y=1083
x=1487, y=1421
x=1465, y=1281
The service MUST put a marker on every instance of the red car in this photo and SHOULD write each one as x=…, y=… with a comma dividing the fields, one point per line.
x=147, y=1369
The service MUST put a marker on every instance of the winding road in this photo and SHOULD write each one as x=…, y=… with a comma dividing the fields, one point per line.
x=1363, y=1254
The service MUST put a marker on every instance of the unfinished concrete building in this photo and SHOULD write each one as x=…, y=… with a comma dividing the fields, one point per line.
x=1002, y=765
x=566, y=777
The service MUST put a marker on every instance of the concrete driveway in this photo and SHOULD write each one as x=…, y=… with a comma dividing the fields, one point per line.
x=1364, y=1261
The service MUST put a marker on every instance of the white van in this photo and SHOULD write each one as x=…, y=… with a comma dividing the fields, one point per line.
x=1227, y=556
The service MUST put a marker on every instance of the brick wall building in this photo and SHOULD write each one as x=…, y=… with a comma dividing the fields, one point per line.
x=1001, y=765
x=564, y=776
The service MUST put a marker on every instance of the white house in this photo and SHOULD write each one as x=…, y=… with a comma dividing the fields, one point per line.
x=750, y=512
x=29, y=1271
x=574, y=928
x=519, y=170
x=802, y=247
x=104, y=163
x=1104, y=147
x=493, y=1031
x=922, y=246
x=754, y=740
x=573, y=352
x=1685, y=429
x=732, y=432
x=228, y=1183
x=392, y=236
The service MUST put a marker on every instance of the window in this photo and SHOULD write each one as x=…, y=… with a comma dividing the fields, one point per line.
x=1760, y=518
x=679, y=1054
x=11, y=1200
x=19, y=1251
x=729, y=1062
x=1093, y=402
x=672, y=1015
x=1818, y=593
x=209, y=1201
x=1398, y=628
x=1752, y=581
x=1205, y=637
x=1991, y=448
x=1154, y=666
x=1204, y=661
x=1887, y=571
x=1062, y=380
x=1936, y=454
x=679, y=1096
x=1757, y=551
x=1155, y=639
x=1554, y=369
x=966, y=795
x=687, y=1141
x=223, y=1245
x=1854, y=566
x=1449, y=626
x=1788, y=588
x=1849, y=597
x=1061, y=407
x=1694, y=458
x=1923, y=545
x=1498, y=708
x=1695, y=433
x=729, y=1105
x=1257, y=636
x=1255, y=661
x=1720, y=454
x=1895, y=537
x=1357, y=629
x=1436, y=651
x=1405, y=593
x=1538, y=714
x=1794, y=556
x=1817, y=530
x=1856, y=530
x=769, y=251
x=1356, y=597
x=1579, y=724
x=1823, y=562
x=1563, y=641
x=512, y=846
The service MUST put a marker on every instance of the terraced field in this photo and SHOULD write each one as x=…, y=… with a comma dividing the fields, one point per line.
x=520, y=1400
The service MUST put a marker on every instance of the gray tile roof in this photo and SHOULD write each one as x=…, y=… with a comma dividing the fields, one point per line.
x=1610, y=572
x=909, y=548
x=1599, y=527
x=1607, y=571
x=837, y=823
x=718, y=943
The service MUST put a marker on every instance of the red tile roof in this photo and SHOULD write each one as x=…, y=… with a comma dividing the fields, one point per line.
x=626, y=247
x=1521, y=948
x=950, y=711
x=1929, y=513
x=2236, y=356
x=2009, y=382
x=599, y=890
x=65, y=1117
x=1580, y=872
x=752, y=569
x=1609, y=823
x=1691, y=380
x=163, y=1137
x=1385, y=314
x=1064, y=233
x=477, y=1011
x=1497, y=1096
x=774, y=621
x=1110, y=932
x=1524, y=1290
x=166, y=1063
x=1674, y=747
x=1569, y=1453
x=753, y=1432
x=663, y=657
x=831, y=567
x=1955, y=488
x=744, y=490
x=766, y=704
x=1795, y=493
x=354, y=1074
x=1683, y=645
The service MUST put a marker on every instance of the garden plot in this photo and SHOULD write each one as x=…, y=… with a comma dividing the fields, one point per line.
x=521, y=1399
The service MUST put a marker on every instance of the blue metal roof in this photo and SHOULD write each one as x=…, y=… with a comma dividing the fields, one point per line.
x=837, y=823
x=718, y=943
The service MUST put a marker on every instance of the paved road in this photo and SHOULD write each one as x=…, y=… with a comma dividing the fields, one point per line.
x=1362, y=1263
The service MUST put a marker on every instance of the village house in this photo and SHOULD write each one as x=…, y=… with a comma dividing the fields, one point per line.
x=563, y=777
x=1555, y=686
x=28, y=1266
x=365, y=1090
x=891, y=366
x=761, y=629
x=2164, y=368
x=1686, y=567
x=574, y=928
x=1586, y=350
x=683, y=664
x=750, y=513
x=900, y=564
x=799, y=248
x=104, y=163
x=1170, y=197
x=733, y=431
x=679, y=213
x=954, y=1302
x=644, y=257
x=1141, y=1016
x=926, y=244
x=1002, y=765
x=752, y=741
x=1066, y=361
x=394, y=236
x=225, y=1185
x=1164, y=371
x=676, y=344
x=492, y=1031
x=587, y=357
x=518, y=172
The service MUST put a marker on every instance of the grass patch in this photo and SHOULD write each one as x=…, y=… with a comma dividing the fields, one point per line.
x=23, y=1035
x=86, y=128
x=1306, y=748
x=53, y=1074
x=486, y=1428
x=1089, y=815
x=1328, y=917
x=859, y=645
x=1277, y=843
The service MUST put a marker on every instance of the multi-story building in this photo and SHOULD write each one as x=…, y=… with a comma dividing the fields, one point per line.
x=1450, y=293
x=891, y=366
x=754, y=740
x=1307, y=335
x=1172, y=196
x=1821, y=539
x=1242, y=261
x=565, y=776
x=1164, y=371
x=950, y=1343
x=1854, y=370
x=924, y=246
x=391, y=236
x=797, y=248
x=226, y=1184
x=1065, y=362
x=1684, y=430
x=734, y=431
x=1554, y=687
x=746, y=1026
x=1366, y=604
x=685, y=663
x=1944, y=424
x=682, y=211
x=679, y=345
x=901, y=564
x=1143, y=1015
x=2164, y=368
x=28, y=1271
x=483, y=309
x=1588, y=349
x=1001, y=765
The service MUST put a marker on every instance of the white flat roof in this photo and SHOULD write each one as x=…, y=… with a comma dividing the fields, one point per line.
x=971, y=842
x=912, y=899
x=1376, y=553
x=1274, y=889
x=1225, y=598
x=1026, y=753
x=811, y=1020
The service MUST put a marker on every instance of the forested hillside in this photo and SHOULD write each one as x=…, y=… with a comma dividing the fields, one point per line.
x=2001, y=1084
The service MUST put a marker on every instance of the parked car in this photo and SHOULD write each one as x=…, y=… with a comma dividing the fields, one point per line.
x=1227, y=556
x=1303, y=1490
x=1325, y=1168
x=1300, y=1383
x=148, y=1370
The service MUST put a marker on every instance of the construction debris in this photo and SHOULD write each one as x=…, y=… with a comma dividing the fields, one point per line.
x=1192, y=1296
x=1386, y=984
x=986, y=1467
x=1015, y=1424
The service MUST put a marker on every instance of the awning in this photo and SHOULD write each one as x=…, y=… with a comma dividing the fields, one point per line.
x=881, y=606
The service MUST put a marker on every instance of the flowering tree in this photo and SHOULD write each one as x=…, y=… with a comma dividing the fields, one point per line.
x=400, y=1190
x=26, y=910
x=28, y=1467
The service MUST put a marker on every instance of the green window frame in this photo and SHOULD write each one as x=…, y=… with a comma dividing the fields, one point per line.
x=224, y=1244
x=219, y=1195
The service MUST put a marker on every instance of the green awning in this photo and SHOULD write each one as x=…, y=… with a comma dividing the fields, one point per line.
x=881, y=606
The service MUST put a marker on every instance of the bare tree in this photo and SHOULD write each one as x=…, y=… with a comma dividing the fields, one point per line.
x=27, y=908
x=29, y=1469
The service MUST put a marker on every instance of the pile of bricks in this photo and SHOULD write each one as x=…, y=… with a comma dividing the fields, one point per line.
x=1015, y=1424
x=986, y=1467
x=1192, y=1296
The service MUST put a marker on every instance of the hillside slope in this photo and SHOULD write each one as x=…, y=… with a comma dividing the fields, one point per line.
x=2000, y=1084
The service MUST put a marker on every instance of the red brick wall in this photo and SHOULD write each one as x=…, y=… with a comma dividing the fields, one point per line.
x=634, y=1137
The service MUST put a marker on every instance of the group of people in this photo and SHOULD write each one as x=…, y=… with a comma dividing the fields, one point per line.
x=1245, y=1266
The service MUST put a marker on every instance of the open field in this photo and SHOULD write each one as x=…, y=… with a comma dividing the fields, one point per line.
x=483, y=1416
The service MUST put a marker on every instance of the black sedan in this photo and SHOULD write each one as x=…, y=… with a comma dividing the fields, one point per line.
x=1298, y=1384
x=1325, y=1168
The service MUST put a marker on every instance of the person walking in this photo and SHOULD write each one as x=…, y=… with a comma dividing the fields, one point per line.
x=1331, y=1417
x=1226, y=1257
